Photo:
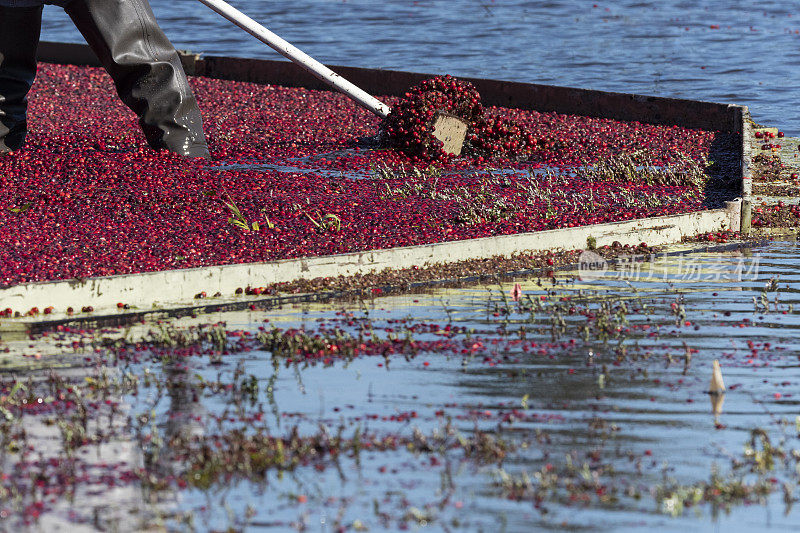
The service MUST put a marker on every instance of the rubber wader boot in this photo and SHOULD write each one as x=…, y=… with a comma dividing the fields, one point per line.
x=146, y=70
x=19, y=39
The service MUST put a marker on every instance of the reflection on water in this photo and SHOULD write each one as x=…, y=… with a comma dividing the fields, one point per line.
x=738, y=52
x=584, y=402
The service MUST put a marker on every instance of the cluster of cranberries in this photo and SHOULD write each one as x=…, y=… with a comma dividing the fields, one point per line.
x=778, y=215
x=719, y=236
x=411, y=124
x=506, y=138
x=86, y=197
x=766, y=136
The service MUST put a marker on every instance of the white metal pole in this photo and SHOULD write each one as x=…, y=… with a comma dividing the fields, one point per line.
x=299, y=57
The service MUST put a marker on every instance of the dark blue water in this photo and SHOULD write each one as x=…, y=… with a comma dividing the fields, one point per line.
x=719, y=50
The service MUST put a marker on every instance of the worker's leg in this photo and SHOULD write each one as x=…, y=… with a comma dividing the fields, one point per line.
x=146, y=70
x=19, y=38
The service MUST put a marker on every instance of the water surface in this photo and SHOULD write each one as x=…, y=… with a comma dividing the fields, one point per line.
x=626, y=415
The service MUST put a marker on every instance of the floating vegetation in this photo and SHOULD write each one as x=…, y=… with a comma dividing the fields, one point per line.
x=640, y=166
x=537, y=393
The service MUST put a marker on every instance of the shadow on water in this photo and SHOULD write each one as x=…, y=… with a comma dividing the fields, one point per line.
x=725, y=168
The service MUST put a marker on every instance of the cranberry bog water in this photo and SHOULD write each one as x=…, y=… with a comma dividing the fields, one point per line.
x=87, y=198
x=297, y=175
x=551, y=400
x=541, y=402
x=545, y=399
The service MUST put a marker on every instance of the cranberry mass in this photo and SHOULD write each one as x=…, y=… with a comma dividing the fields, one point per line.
x=292, y=177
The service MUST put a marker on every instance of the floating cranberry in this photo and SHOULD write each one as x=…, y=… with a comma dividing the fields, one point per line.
x=88, y=198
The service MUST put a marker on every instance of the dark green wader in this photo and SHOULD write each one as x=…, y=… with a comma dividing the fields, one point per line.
x=133, y=49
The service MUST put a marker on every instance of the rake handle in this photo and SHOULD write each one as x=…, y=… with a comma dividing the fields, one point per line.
x=298, y=57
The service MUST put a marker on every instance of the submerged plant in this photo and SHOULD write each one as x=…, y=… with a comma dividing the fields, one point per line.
x=326, y=222
x=238, y=219
x=640, y=166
